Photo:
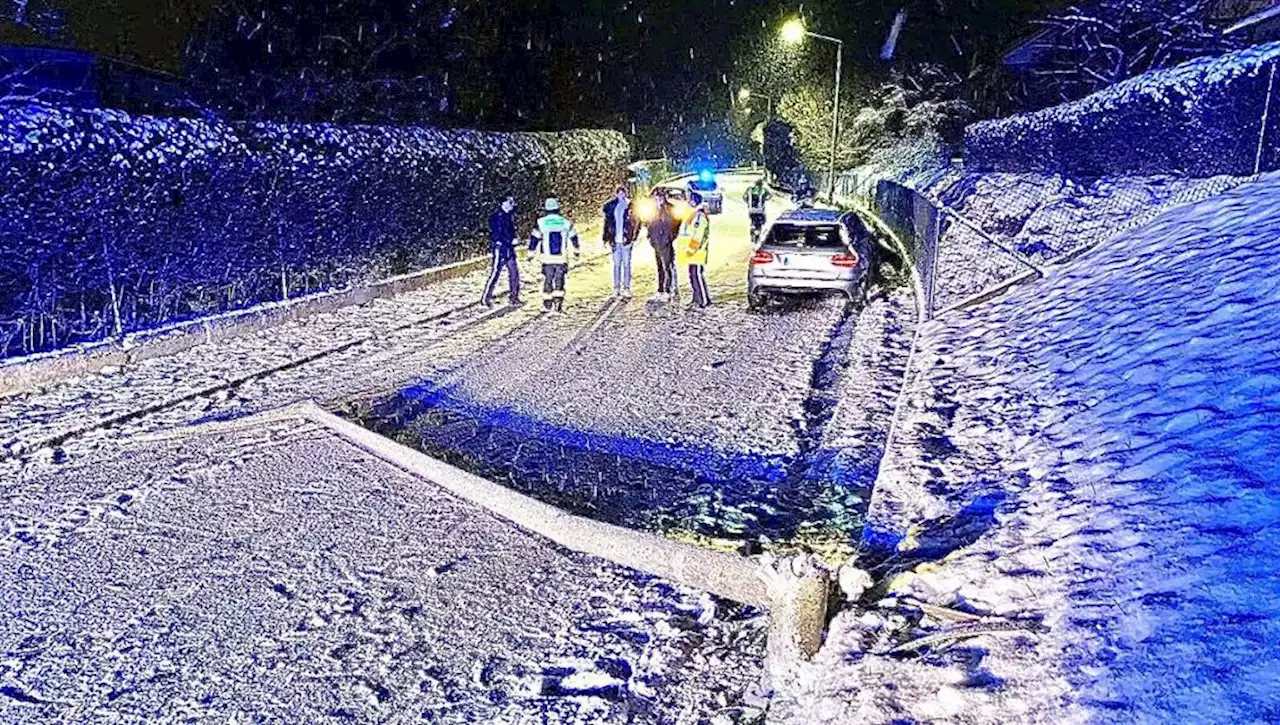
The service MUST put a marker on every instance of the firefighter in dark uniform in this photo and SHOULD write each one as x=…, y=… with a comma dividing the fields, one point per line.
x=663, y=229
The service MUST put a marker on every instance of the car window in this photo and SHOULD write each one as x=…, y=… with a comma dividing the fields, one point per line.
x=807, y=236
x=702, y=185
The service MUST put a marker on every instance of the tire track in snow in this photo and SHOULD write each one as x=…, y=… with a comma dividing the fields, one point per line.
x=55, y=440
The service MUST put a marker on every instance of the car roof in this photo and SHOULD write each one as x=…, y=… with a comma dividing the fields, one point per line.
x=813, y=216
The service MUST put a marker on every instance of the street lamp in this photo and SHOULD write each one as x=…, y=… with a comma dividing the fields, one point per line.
x=794, y=32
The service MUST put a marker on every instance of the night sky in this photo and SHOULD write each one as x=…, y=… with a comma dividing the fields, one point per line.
x=516, y=63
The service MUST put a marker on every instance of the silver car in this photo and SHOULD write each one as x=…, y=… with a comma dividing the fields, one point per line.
x=811, y=250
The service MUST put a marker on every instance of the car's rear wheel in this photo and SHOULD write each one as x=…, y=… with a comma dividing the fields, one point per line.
x=858, y=296
x=756, y=300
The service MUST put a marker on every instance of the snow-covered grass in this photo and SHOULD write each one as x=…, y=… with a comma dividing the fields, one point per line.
x=994, y=225
x=1091, y=461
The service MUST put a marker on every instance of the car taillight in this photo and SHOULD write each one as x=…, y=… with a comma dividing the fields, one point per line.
x=845, y=260
x=762, y=257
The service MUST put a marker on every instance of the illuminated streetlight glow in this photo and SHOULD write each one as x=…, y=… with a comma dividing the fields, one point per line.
x=793, y=31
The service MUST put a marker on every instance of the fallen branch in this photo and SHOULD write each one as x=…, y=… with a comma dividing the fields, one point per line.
x=959, y=632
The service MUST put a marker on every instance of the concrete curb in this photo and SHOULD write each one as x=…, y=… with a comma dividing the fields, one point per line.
x=27, y=373
x=726, y=575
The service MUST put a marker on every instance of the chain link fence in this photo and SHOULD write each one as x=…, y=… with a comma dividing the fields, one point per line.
x=1022, y=203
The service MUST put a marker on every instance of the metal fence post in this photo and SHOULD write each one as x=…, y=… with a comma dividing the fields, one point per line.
x=1262, y=132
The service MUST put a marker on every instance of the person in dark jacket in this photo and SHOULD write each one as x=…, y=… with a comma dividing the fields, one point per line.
x=620, y=232
x=502, y=251
x=663, y=229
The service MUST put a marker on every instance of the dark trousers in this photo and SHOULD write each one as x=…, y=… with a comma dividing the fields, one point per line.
x=553, y=286
x=665, y=254
x=698, y=283
x=503, y=259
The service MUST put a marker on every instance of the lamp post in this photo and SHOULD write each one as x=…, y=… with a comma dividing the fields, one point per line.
x=794, y=32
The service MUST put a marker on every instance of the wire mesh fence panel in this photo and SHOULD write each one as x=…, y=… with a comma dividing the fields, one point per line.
x=967, y=264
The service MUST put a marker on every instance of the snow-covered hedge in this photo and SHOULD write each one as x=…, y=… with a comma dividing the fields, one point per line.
x=1201, y=118
x=111, y=222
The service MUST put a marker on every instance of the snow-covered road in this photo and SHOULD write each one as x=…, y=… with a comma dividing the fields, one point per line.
x=775, y=419
x=280, y=573
x=708, y=423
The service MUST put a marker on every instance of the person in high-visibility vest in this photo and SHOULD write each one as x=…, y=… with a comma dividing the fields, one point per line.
x=691, y=250
x=756, y=196
x=550, y=240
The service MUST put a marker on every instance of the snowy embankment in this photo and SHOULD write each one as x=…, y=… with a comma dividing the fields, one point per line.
x=994, y=227
x=1089, y=465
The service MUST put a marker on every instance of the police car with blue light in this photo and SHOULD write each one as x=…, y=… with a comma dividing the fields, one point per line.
x=705, y=186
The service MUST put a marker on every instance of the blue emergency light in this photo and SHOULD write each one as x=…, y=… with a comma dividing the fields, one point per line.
x=706, y=176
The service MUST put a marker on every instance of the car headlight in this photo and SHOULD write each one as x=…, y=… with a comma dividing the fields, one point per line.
x=646, y=210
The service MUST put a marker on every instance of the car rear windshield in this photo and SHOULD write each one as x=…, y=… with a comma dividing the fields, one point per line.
x=702, y=185
x=797, y=236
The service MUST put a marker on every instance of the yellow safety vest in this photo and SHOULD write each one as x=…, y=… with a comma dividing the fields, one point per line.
x=691, y=244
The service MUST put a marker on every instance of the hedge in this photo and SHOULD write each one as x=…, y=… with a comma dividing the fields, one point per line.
x=111, y=223
x=1201, y=118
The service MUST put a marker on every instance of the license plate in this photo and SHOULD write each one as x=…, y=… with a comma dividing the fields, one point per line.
x=802, y=261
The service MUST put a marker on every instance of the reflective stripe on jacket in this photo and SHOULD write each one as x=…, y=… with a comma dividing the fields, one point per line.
x=755, y=197
x=695, y=232
x=551, y=239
